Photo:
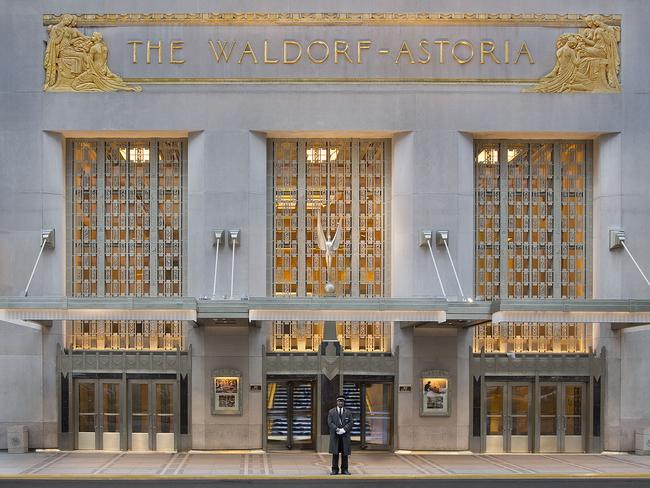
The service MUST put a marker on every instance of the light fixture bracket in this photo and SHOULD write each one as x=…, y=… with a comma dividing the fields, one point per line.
x=616, y=239
x=233, y=236
x=47, y=237
x=424, y=237
x=218, y=237
x=441, y=237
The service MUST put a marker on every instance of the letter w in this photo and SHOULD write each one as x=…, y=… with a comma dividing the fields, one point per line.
x=223, y=50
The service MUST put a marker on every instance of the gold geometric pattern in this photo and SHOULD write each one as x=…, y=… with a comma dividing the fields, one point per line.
x=539, y=188
x=531, y=338
x=331, y=18
x=136, y=186
x=342, y=181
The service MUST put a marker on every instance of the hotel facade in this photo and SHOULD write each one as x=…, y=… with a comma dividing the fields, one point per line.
x=215, y=222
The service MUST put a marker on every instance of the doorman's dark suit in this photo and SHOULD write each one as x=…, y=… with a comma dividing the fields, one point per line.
x=340, y=443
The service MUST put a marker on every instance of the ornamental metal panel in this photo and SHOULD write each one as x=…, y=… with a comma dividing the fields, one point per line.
x=540, y=190
x=342, y=183
x=127, y=202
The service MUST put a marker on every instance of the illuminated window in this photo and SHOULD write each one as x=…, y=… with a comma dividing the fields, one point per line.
x=342, y=181
x=126, y=214
x=531, y=237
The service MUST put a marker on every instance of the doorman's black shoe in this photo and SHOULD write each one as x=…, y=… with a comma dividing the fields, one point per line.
x=334, y=472
x=346, y=472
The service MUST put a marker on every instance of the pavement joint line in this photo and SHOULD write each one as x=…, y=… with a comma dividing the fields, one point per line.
x=505, y=476
x=501, y=464
x=246, y=461
x=36, y=463
x=413, y=464
x=181, y=465
x=265, y=457
x=109, y=463
x=626, y=461
x=569, y=463
x=433, y=464
x=56, y=458
x=516, y=466
x=172, y=459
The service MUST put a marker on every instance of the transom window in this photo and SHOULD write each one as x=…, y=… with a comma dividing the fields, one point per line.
x=532, y=218
x=342, y=182
x=126, y=210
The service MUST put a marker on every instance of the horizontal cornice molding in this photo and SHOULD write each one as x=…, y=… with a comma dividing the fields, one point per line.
x=332, y=18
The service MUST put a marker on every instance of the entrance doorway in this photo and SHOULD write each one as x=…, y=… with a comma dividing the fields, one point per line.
x=98, y=418
x=372, y=405
x=508, y=417
x=290, y=414
x=561, y=412
x=152, y=423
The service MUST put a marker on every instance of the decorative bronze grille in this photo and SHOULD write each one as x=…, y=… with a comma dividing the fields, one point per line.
x=127, y=203
x=531, y=237
x=343, y=181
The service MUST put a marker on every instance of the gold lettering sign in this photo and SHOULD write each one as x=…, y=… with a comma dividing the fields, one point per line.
x=75, y=62
x=585, y=61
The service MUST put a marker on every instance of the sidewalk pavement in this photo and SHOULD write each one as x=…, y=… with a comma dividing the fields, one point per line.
x=281, y=464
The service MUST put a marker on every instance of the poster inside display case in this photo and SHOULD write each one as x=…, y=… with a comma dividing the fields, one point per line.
x=434, y=393
x=226, y=391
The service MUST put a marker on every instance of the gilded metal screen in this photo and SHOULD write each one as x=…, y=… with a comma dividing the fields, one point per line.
x=285, y=219
x=574, y=163
x=126, y=235
x=488, y=222
x=371, y=218
x=84, y=219
x=531, y=237
x=531, y=337
x=342, y=181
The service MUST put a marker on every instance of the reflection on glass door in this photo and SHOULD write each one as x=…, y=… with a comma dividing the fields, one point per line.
x=290, y=414
x=561, y=417
x=139, y=428
x=573, y=431
x=111, y=416
x=507, y=417
x=548, y=418
x=371, y=404
x=98, y=412
x=152, y=424
x=378, y=406
x=164, y=422
x=87, y=415
x=519, y=421
x=494, y=408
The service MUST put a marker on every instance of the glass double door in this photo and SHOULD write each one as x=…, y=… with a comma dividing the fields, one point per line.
x=508, y=417
x=372, y=407
x=98, y=412
x=152, y=422
x=148, y=415
x=561, y=417
x=290, y=414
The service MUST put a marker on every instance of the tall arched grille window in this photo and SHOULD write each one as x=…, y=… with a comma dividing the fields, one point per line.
x=126, y=208
x=532, y=226
x=343, y=181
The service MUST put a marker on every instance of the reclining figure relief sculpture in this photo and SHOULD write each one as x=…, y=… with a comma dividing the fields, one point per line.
x=75, y=62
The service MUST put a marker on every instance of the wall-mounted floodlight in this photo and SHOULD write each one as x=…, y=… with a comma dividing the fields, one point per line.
x=233, y=239
x=617, y=241
x=47, y=240
x=425, y=240
x=218, y=241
